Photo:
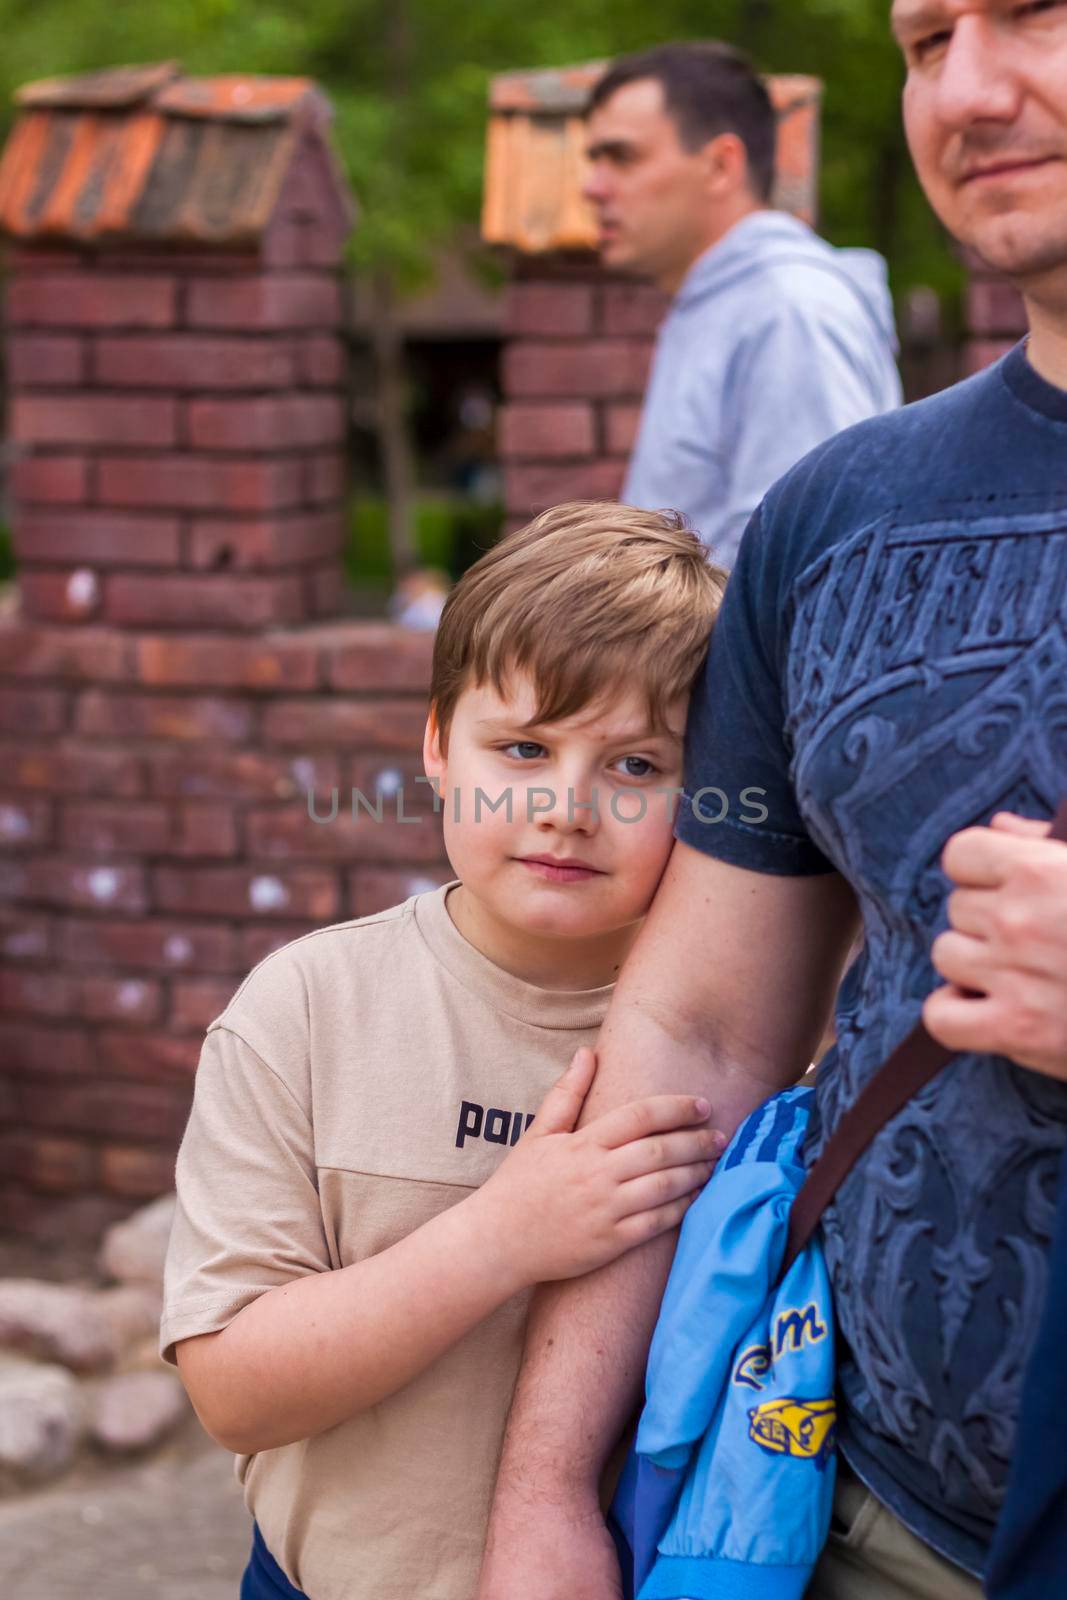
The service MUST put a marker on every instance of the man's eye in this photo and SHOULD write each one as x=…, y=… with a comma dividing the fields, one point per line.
x=641, y=762
x=1033, y=7
x=923, y=49
x=526, y=746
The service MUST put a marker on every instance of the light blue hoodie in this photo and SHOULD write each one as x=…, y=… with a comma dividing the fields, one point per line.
x=775, y=341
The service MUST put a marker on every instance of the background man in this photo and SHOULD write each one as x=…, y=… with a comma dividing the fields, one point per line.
x=774, y=340
x=890, y=666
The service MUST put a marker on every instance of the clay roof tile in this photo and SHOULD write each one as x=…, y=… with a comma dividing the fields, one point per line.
x=115, y=88
x=143, y=154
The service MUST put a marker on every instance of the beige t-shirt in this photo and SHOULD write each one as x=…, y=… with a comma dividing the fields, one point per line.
x=361, y=1080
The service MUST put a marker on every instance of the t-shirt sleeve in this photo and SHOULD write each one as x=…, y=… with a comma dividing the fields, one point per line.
x=739, y=803
x=248, y=1215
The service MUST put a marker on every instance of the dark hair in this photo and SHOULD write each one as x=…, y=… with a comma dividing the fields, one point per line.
x=708, y=88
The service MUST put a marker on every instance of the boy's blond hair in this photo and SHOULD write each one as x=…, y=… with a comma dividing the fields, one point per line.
x=588, y=598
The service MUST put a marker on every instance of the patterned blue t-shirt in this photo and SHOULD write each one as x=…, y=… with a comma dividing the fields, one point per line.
x=890, y=666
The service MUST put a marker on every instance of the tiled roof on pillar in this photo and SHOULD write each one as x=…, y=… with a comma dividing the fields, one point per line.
x=535, y=156
x=144, y=155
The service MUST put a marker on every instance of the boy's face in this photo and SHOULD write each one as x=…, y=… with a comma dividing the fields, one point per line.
x=544, y=864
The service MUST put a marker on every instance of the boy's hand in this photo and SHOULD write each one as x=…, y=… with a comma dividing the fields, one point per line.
x=565, y=1202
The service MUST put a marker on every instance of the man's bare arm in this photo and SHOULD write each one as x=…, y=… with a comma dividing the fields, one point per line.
x=726, y=993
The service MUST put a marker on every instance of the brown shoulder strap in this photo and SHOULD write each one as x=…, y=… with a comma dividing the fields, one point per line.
x=916, y=1060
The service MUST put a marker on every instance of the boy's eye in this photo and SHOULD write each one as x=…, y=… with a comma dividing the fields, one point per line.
x=639, y=761
x=525, y=747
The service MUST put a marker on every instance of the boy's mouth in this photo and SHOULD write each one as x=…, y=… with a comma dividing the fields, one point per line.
x=559, y=869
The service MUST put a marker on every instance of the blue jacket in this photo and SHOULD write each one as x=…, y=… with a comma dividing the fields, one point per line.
x=728, y=1490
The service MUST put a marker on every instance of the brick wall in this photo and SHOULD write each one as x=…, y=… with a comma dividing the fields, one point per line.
x=156, y=843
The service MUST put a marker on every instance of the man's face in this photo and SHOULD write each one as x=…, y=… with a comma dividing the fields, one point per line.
x=652, y=196
x=985, y=107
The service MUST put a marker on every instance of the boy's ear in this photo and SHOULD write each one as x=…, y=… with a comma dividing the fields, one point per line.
x=432, y=759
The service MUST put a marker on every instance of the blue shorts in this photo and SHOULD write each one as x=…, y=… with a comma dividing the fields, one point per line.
x=263, y=1578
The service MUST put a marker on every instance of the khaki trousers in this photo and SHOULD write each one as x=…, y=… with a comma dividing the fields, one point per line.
x=870, y=1555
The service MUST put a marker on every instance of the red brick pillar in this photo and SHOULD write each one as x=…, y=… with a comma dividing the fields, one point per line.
x=178, y=441
x=177, y=419
x=579, y=341
x=173, y=718
x=575, y=364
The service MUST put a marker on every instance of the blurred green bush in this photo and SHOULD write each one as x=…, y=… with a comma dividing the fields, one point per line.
x=450, y=533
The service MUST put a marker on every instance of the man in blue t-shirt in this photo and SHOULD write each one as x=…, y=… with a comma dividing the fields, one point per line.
x=890, y=669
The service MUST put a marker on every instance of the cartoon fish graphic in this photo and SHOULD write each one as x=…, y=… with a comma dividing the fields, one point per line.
x=791, y=1427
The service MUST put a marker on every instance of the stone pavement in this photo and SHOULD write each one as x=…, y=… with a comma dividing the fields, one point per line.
x=172, y=1528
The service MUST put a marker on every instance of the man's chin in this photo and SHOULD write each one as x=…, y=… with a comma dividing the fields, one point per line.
x=1019, y=248
x=616, y=257
x=1015, y=240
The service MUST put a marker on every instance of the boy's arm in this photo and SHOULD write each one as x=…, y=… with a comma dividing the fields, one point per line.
x=313, y=1351
x=725, y=994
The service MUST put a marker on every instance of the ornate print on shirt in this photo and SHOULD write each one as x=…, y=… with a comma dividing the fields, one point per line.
x=952, y=706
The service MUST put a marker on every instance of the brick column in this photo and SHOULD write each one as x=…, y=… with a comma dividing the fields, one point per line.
x=575, y=365
x=178, y=430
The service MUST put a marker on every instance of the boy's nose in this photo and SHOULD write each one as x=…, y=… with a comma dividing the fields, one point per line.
x=571, y=807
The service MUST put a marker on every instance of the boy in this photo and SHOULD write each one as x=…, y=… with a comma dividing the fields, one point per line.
x=359, y=1222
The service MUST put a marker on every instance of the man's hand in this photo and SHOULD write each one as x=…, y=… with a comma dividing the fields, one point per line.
x=551, y=1553
x=1004, y=957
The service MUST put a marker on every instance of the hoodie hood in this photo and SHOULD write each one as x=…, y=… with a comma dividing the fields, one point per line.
x=768, y=240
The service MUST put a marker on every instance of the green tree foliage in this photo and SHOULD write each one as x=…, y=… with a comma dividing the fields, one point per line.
x=408, y=79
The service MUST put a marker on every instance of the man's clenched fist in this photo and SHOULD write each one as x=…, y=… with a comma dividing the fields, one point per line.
x=1004, y=956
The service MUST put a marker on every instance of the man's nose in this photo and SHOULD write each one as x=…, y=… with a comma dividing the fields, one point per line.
x=979, y=81
x=594, y=184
